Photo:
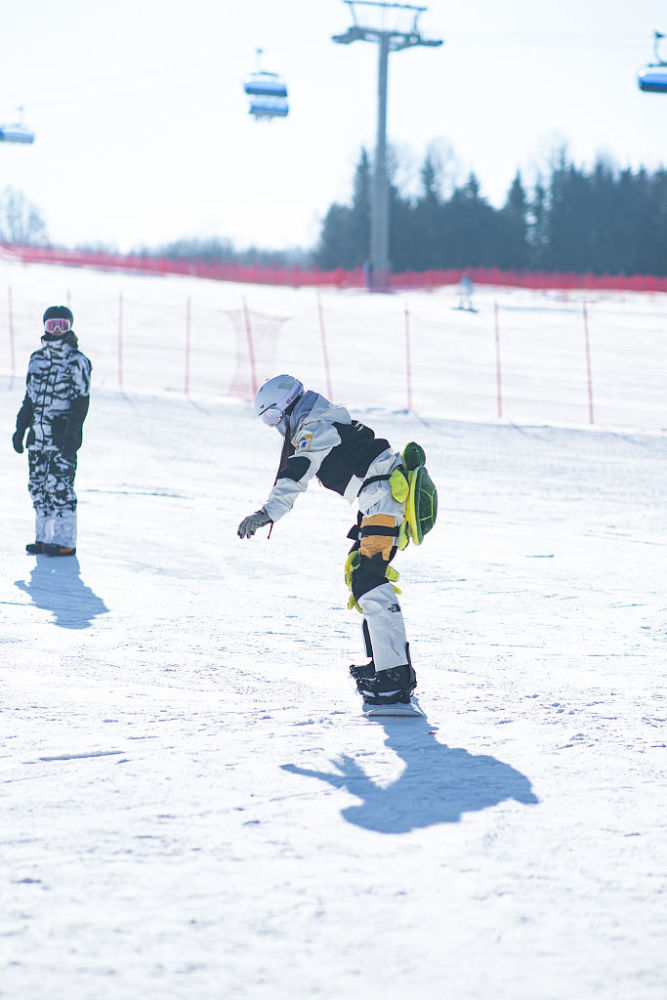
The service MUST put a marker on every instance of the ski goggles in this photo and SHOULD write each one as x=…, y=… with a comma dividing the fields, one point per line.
x=272, y=416
x=62, y=325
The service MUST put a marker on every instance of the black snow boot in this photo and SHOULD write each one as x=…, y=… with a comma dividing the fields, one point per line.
x=388, y=687
x=364, y=676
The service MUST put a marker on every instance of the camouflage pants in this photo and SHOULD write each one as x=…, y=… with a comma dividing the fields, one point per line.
x=51, y=486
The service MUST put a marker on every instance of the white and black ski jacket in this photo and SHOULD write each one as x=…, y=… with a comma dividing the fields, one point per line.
x=327, y=444
x=57, y=393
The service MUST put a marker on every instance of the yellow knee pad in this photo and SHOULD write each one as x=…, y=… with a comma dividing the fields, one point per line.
x=353, y=563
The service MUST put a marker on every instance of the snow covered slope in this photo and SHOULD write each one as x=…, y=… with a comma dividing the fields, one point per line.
x=136, y=330
x=193, y=807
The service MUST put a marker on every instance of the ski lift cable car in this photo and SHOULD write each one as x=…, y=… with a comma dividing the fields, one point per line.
x=17, y=132
x=653, y=77
x=267, y=92
x=269, y=107
x=265, y=85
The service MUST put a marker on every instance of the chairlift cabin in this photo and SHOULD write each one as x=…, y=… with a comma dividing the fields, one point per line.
x=265, y=84
x=267, y=93
x=269, y=107
x=652, y=78
x=16, y=133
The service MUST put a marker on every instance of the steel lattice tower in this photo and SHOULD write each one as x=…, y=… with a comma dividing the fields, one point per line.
x=393, y=27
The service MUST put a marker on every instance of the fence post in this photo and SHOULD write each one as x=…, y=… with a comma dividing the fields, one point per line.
x=251, y=349
x=187, y=347
x=120, y=340
x=588, y=365
x=499, y=382
x=408, y=362
x=12, y=349
x=325, y=354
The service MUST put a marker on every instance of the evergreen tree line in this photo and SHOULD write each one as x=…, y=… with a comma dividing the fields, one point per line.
x=604, y=221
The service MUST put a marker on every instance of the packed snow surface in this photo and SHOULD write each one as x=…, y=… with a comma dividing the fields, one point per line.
x=193, y=807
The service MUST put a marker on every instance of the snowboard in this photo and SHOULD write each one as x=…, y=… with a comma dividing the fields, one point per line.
x=400, y=709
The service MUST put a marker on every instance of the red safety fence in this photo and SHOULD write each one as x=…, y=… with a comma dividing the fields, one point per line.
x=339, y=278
x=518, y=355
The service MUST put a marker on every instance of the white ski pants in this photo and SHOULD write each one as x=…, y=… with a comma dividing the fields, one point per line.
x=382, y=612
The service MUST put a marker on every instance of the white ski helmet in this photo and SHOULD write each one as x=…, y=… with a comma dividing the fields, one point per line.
x=275, y=396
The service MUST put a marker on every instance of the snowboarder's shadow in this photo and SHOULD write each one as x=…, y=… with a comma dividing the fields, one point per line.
x=438, y=784
x=55, y=585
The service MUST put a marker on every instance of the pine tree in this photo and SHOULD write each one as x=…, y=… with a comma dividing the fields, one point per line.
x=428, y=217
x=345, y=235
x=514, y=227
x=601, y=221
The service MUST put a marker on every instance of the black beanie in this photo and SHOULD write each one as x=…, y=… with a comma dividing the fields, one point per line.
x=58, y=312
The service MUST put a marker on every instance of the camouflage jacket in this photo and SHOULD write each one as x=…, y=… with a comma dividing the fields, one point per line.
x=57, y=393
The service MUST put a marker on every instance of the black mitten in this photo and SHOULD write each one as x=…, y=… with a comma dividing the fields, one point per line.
x=23, y=421
x=59, y=427
x=69, y=434
x=71, y=442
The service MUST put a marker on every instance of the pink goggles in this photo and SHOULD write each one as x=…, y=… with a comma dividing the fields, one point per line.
x=272, y=416
x=62, y=325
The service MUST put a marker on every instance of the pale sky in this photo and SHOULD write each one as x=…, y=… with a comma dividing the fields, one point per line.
x=143, y=134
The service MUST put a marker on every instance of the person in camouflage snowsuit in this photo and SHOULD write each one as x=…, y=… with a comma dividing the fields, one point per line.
x=53, y=412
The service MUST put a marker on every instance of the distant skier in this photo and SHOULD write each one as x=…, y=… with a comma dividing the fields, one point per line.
x=322, y=440
x=465, y=291
x=53, y=412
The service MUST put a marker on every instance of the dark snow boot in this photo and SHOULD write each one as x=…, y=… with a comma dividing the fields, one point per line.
x=388, y=687
x=57, y=550
x=364, y=676
x=34, y=548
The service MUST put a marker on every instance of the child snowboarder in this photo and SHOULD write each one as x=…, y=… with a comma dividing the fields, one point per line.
x=53, y=412
x=322, y=440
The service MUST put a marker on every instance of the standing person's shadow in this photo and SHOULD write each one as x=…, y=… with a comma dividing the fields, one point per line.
x=439, y=783
x=55, y=584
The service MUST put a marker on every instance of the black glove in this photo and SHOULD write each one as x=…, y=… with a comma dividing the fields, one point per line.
x=58, y=429
x=23, y=421
x=17, y=440
x=67, y=427
x=252, y=522
x=70, y=447
x=67, y=438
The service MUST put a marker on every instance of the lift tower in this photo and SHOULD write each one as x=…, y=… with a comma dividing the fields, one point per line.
x=394, y=27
